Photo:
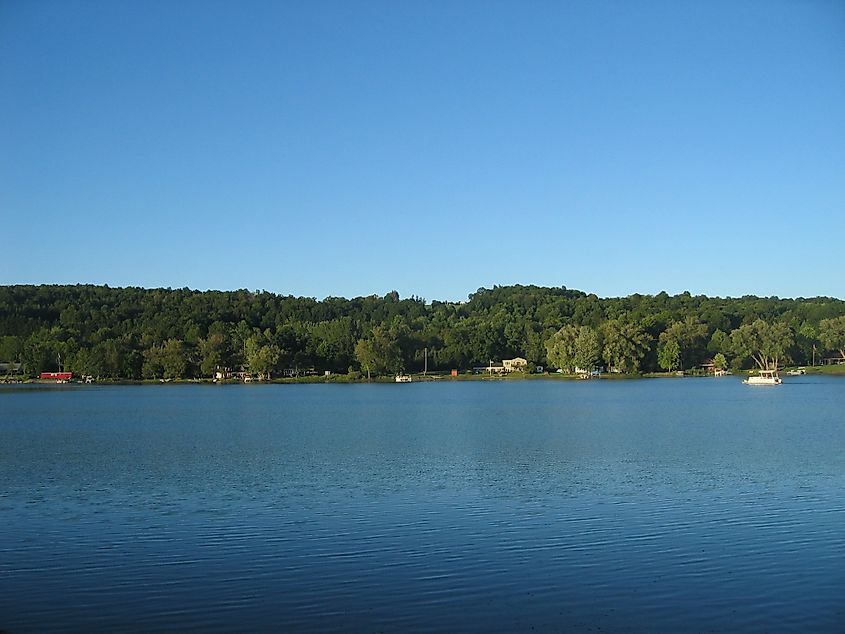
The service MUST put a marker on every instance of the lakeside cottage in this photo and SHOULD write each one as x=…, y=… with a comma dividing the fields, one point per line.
x=515, y=365
x=506, y=365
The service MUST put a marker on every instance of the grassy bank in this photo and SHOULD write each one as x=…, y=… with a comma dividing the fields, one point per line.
x=827, y=369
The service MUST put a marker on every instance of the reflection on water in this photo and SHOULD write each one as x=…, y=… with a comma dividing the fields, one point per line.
x=653, y=505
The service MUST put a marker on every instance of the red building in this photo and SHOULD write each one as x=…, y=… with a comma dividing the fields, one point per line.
x=57, y=376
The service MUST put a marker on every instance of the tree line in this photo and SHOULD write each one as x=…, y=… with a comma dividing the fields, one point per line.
x=135, y=333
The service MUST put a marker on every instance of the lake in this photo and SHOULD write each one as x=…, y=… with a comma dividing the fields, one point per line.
x=659, y=505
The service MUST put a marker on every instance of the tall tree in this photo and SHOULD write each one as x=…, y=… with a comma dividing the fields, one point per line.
x=832, y=334
x=153, y=367
x=379, y=353
x=535, y=350
x=213, y=353
x=806, y=343
x=720, y=341
x=625, y=345
x=174, y=359
x=333, y=343
x=587, y=349
x=668, y=354
x=42, y=351
x=87, y=361
x=689, y=335
x=560, y=348
x=765, y=343
x=10, y=348
x=261, y=358
x=366, y=355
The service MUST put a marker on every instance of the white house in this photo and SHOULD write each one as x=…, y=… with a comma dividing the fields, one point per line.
x=515, y=365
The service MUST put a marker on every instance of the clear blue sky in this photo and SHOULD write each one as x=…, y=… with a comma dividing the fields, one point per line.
x=350, y=148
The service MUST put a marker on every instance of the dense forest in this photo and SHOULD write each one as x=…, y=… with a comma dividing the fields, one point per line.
x=135, y=333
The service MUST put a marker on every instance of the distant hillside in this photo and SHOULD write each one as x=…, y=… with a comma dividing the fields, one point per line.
x=151, y=333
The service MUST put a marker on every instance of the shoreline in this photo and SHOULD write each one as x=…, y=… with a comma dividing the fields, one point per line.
x=835, y=370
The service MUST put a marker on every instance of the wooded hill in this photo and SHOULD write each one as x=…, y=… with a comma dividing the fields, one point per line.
x=135, y=333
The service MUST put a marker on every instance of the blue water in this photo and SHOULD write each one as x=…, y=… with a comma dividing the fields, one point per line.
x=640, y=506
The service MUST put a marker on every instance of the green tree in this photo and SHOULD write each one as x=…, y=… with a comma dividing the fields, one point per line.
x=174, y=359
x=42, y=351
x=111, y=354
x=153, y=366
x=625, y=345
x=806, y=343
x=765, y=343
x=261, y=358
x=133, y=364
x=720, y=362
x=535, y=350
x=366, y=355
x=333, y=343
x=240, y=333
x=832, y=334
x=560, y=348
x=668, y=354
x=689, y=334
x=587, y=349
x=457, y=344
x=213, y=353
x=10, y=348
x=87, y=362
x=379, y=353
x=720, y=341
x=399, y=332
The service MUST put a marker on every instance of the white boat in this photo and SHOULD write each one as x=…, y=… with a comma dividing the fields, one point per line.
x=764, y=377
x=403, y=378
x=797, y=372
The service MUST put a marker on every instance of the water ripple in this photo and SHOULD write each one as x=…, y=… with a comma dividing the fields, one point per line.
x=447, y=512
